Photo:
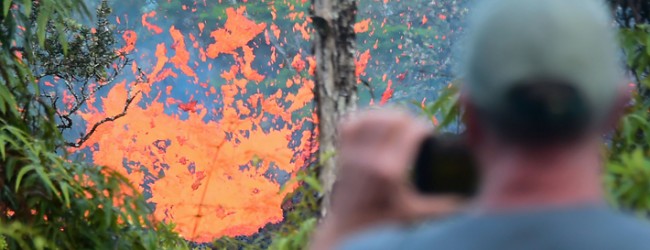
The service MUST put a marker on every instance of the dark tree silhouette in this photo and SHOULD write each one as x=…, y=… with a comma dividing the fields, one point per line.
x=92, y=63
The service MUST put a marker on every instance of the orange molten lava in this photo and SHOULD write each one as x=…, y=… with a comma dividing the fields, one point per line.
x=148, y=25
x=212, y=178
x=210, y=159
x=197, y=174
x=387, y=94
x=237, y=33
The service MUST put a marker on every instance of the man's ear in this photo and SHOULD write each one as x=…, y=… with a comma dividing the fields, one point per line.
x=620, y=105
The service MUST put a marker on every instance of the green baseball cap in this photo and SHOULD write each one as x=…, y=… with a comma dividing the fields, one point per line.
x=510, y=41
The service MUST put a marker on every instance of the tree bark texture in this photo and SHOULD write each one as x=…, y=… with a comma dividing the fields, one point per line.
x=334, y=48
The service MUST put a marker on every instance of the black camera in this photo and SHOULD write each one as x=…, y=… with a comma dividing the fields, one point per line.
x=445, y=165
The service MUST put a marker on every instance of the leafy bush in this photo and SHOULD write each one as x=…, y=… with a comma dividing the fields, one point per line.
x=628, y=169
x=47, y=200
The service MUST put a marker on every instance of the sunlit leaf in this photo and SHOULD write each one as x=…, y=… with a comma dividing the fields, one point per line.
x=314, y=183
x=6, y=5
x=65, y=191
x=27, y=7
x=41, y=22
x=23, y=171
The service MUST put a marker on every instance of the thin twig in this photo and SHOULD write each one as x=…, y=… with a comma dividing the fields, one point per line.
x=105, y=120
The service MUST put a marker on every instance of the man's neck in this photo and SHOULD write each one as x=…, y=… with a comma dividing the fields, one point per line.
x=514, y=180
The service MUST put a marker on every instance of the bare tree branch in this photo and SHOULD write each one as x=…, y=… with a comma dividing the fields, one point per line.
x=84, y=138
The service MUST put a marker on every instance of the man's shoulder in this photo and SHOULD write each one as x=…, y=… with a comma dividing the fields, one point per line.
x=628, y=224
x=389, y=237
x=600, y=229
x=619, y=230
x=396, y=237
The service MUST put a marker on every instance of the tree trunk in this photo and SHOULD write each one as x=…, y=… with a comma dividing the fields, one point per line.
x=334, y=47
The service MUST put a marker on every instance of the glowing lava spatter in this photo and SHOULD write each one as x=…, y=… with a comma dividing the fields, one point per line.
x=202, y=175
x=213, y=164
x=225, y=118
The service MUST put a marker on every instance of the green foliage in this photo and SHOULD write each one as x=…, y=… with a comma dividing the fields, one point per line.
x=303, y=217
x=298, y=239
x=78, y=61
x=90, y=54
x=628, y=180
x=628, y=168
x=46, y=200
x=29, y=10
x=445, y=110
x=18, y=232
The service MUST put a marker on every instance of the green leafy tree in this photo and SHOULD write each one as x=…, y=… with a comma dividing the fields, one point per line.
x=628, y=170
x=46, y=200
x=78, y=61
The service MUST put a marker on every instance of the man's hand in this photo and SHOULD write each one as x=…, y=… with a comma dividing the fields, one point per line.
x=377, y=149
